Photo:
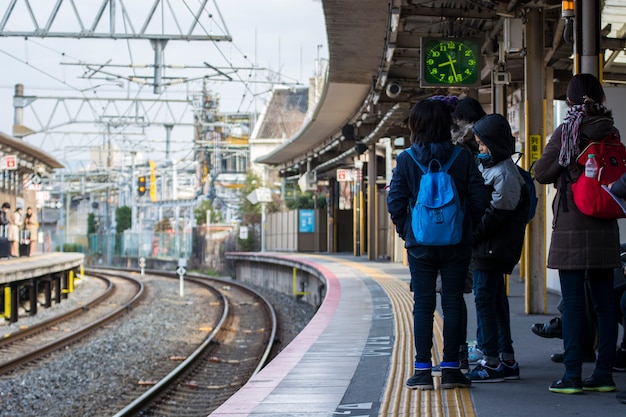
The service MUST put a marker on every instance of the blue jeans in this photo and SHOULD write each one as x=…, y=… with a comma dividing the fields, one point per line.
x=425, y=262
x=573, y=292
x=492, y=315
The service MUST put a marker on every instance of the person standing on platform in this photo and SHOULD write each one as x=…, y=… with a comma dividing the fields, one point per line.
x=581, y=245
x=30, y=225
x=5, y=245
x=14, y=231
x=429, y=123
x=467, y=112
x=619, y=188
x=498, y=241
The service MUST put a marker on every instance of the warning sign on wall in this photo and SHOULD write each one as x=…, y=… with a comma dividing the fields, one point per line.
x=8, y=162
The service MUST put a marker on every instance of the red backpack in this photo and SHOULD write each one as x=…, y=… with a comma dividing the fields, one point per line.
x=591, y=195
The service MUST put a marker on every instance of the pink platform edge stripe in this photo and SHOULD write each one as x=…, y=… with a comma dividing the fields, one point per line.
x=263, y=383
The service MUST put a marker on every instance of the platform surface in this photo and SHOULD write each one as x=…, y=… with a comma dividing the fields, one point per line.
x=355, y=355
x=26, y=267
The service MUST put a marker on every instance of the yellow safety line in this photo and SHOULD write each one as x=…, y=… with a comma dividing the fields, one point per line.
x=397, y=399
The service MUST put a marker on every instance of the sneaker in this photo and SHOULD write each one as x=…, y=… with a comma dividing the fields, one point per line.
x=474, y=355
x=421, y=380
x=620, y=360
x=511, y=369
x=454, y=378
x=599, y=384
x=567, y=386
x=484, y=373
x=621, y=397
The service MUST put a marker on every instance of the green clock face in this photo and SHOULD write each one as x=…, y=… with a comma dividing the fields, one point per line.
x=450, y=62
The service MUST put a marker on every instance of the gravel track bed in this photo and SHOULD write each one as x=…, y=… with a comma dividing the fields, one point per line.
x=88, y=379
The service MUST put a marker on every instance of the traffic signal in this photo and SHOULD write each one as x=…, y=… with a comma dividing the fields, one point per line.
x=141, y=185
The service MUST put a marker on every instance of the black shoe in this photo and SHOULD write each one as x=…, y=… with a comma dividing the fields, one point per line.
x=548, y=330
x=421, y=380
x=511, y=369
x=621, y=397
x=454, y=378
x=620, y=360
x=599, y=384
x=587, y=357
x=567, y=386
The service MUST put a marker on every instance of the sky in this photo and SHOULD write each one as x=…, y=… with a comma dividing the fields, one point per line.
x=282, y=39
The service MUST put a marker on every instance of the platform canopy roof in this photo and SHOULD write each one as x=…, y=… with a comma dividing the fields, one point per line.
x=373, y=44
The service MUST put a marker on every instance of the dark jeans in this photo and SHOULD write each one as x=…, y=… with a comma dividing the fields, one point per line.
x=492, y=314
x=600, y=284
x=622, y=306
x=451, y=262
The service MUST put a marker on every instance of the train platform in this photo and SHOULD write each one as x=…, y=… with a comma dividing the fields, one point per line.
x=22, y=278
x=355, y=355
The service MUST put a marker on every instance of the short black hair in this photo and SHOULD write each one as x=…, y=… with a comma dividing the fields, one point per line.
x=6, y=205
x=469, y=110
x=430, y=121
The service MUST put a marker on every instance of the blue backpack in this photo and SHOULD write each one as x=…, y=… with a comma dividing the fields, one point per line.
x=437, y=216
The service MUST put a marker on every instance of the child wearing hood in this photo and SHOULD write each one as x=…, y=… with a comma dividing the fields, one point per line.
x=497, y=246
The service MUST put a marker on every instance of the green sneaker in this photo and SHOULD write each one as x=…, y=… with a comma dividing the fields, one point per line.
x=567, y=386
x=599, y=384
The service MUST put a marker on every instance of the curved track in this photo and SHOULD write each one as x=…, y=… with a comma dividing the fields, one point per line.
x=236, y=349
x=27, y=345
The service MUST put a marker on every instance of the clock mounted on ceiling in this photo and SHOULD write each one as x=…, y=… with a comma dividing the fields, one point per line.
x=450, y=62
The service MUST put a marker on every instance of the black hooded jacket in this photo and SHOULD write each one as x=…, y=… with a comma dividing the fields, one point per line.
x=499, y=236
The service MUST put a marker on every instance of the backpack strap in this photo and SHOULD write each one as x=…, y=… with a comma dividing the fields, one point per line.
x=455, y=152
x=410, y=152
x=442, y=168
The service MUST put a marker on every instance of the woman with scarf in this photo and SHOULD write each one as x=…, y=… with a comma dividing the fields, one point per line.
x=582, y=248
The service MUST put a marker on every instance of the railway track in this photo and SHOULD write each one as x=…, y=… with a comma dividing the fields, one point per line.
x=29, y=344
x=236, y=349
x=227, y=343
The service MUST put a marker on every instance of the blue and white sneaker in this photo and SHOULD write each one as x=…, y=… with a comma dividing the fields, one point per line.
x=474, y=354
x=484, y=373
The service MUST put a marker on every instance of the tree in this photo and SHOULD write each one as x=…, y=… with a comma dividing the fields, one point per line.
x=123, y=219
x=163, y=226
x=250, y=213
x=306, y=201
x=200, y=213
x=92, y=223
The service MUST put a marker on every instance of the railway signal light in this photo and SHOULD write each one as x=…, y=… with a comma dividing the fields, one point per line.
x=141, y=185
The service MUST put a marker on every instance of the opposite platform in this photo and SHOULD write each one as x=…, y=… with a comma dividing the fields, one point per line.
x=356, y=353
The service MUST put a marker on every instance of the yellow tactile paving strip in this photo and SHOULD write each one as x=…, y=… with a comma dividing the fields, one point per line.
x=398, y=400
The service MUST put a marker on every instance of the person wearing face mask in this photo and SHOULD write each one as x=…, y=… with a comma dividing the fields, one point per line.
x=497, y=247
x=468, y=111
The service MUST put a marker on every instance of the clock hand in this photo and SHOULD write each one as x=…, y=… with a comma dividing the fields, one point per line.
x=450, y=62
x=452, y=66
